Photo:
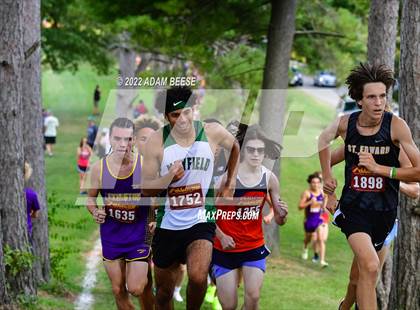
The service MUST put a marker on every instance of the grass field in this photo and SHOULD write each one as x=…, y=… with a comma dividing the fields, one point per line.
x=290, y=283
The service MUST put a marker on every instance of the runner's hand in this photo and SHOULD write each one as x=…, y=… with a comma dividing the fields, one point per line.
x=281, y=210
x=152, y=227
x=99, y=215
x=227, y=242
x=330, y=184
x=226, y=191
x=267, y=219
x=177, y=170
x=366, y=160
x=331, y=203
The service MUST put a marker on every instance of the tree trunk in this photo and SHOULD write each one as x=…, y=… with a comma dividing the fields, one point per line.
x=4, y=298
x=127, y=62
x=33, y=133
x=275, y=80
x=382, y=36
x=12, y=203
x=382, y=32
x=406, y=280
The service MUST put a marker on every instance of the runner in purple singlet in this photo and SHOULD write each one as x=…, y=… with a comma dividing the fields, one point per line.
x=124, y=220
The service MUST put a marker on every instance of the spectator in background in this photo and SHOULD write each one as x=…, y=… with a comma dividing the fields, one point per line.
x=84, y=151
x=104, y=146
x=139, y=109
x=50, y=131
x=96, y=99
x=32, y=203
x=92, y=131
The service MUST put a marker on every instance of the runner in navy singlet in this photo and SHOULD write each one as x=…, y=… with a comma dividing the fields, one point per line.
x=411, y=190
x=373, y=138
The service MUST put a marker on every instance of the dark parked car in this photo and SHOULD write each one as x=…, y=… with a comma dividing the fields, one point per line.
x=346, y=106
x=295, y=77
x=325, y=79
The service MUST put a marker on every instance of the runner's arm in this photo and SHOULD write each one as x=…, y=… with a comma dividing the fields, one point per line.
x=401, y=133
x=280, y=207
x=337, y=128
x=93, y=191
x=411, y=189
x=227, y=241
x=152, y=184
x=337, y=155
x=269, y=216
x=223, y=138
x=304, y=202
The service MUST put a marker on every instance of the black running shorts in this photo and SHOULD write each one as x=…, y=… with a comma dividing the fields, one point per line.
x=170, y=246
x=377, y=224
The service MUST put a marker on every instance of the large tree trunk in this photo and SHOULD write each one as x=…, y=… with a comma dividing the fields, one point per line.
x=279, y=46
x=382, y=36
x=405, y=293
x=12, y=201
x=127, y=63
x=33, y=133
x=4, y=298
x=382, y=32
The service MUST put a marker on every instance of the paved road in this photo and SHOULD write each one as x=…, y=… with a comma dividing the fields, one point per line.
x=330, y=96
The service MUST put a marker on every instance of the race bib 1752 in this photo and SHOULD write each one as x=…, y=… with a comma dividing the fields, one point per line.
x=185, y=197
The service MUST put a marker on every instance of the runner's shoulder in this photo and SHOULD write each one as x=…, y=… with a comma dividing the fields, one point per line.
x=95, y=169
x=214, y=130
x=155, y=140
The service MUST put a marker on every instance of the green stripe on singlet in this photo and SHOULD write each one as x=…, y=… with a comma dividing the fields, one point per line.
x=210, y=205
x=200, y=134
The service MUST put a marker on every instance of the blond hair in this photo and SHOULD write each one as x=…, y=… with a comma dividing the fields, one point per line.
x=28, y=171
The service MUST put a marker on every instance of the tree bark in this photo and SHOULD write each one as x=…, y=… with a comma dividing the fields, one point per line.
x=382, y=36
x=4, y=298
x=127, y=63
x=33, y=134
x=382, y=32
x=405, y=293
x=275, y=80
x=12, y=203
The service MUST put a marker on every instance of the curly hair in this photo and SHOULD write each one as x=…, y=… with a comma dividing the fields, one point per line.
x=146, y=121
x=367, y=73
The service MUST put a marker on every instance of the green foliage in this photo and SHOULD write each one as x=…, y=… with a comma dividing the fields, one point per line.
x=72, y=37
x=339, y=54
x=17, y=260
x=28, y=302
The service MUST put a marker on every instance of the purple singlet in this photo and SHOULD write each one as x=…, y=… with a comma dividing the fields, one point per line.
x=124, y=234
x=313, y=215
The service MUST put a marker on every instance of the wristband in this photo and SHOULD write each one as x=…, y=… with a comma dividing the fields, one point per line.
x=393, y=173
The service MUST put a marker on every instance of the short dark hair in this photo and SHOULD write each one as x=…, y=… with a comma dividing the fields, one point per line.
x=312, y=176
x=121, y=122
x=253, y=132
x=172, y=95
x=367, y=73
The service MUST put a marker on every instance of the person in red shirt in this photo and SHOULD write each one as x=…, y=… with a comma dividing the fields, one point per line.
x=239, y=242
x=84, y=151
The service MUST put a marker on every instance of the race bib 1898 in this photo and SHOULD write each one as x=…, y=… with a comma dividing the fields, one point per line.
x=362, y=180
